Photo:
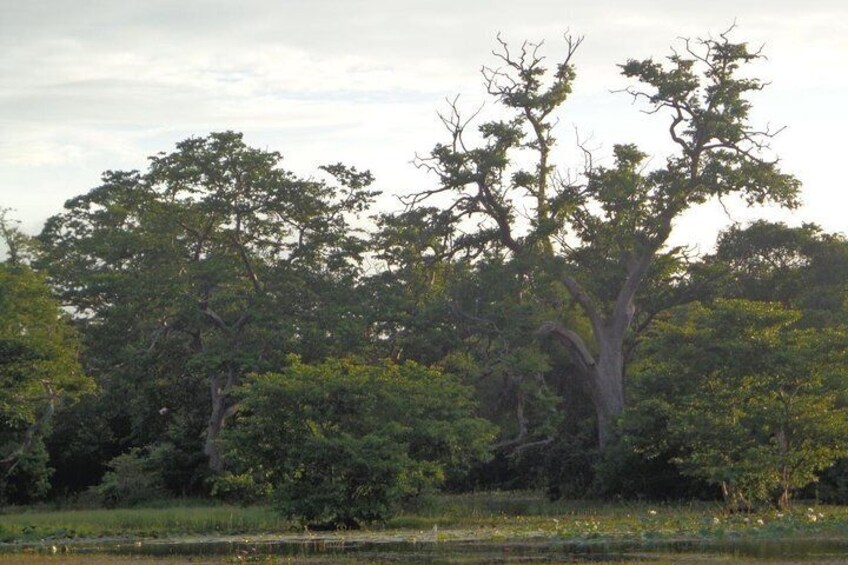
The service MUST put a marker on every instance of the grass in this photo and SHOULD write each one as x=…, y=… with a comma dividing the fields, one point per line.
x=520, y=515
x=484, y=517
x=31, y=525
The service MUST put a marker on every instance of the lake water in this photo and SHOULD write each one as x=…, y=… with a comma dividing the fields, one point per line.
x=334, y=550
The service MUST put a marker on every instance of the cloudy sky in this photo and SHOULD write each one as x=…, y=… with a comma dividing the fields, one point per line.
x=87, y=85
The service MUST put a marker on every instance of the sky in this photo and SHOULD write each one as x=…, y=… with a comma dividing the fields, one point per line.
x=88, y=86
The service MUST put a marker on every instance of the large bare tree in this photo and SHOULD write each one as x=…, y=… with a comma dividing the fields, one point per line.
x=604, y=231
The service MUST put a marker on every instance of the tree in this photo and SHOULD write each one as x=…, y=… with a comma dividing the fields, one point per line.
x=743, y=398
x=800, y=267
x=39, y=369
x=408, y=298
x=605, y=236
x=340, y=443
x=474, y=313
x=212, y=264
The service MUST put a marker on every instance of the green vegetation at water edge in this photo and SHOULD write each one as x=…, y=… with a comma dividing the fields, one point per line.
x=36, y=525
x=492, y=516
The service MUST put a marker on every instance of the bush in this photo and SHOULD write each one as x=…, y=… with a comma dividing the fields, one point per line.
x=132, y=478
x=738, y=396
x=30, y=479
x=340, y=444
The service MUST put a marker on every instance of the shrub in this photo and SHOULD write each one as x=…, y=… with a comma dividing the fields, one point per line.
x=749, y=402
x=340, y=444
x=133, y=477
x=30, y=479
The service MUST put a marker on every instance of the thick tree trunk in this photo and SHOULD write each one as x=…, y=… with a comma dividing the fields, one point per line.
x=221, y=410
x=608, y=389
x=220, y=387
x=604, y=371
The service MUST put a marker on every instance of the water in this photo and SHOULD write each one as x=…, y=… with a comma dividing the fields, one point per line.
x=332, y=550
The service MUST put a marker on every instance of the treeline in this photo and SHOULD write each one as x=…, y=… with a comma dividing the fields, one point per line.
x=218, y=326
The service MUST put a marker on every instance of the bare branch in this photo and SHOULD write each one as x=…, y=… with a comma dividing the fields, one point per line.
x=585, y=301
x=624, y=307
x=213, y=316
x=572, y=341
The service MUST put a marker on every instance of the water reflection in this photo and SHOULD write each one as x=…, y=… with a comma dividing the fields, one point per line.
x=394, y=551
x=335, y=549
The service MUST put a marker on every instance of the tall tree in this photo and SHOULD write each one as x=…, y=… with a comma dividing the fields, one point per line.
x=800, y=267
x=741, y=397
x=207, y=266
x=602, y=235
x=470, y=310
x=39, y=368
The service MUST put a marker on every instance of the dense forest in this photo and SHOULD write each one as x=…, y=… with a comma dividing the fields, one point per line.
x=218, y=326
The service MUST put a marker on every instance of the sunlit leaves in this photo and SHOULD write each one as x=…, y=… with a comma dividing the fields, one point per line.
x=342, y=443
x=751, y=402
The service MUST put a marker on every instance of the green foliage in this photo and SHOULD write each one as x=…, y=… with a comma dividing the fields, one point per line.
x=706, y=91
x=132, y=478
x=341, y=443
x=739, y=396
x=603, y=237
x=800, y=267
x=38, y=348
x=30, y=480
x=477, y=318
x=439, y=301
x=212, y=263
x=38, y=371
x=408, y=304
x=80, y=445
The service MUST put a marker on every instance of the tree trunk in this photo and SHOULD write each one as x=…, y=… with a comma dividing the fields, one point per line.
x=605, y=370
x=216, y=422
x=607, y=387
x=786, y=490
x=603, y=374
x=220, y=412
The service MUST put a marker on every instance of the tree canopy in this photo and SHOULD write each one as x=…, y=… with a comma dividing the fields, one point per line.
x=342, y=443
x=604, y=234
x=204, y=267
x=39, y=369
x=252, y=332
x=752, y=402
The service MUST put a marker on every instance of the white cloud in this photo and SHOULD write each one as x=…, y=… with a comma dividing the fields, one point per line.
x=88, y=85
